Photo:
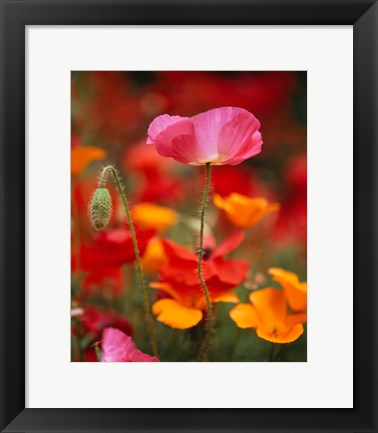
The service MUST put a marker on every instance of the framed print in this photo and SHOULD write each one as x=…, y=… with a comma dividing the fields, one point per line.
x=173, y=242
x=188, y=216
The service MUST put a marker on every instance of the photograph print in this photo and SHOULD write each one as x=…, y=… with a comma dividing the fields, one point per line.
x=188, y=216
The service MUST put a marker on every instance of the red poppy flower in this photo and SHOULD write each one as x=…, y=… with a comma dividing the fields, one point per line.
x=113, y=248
x=219, y=273
x=101, y=258
x=179, y=281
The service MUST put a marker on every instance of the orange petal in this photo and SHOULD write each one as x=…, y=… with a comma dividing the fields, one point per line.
x=166, y=288
x=222, y=297
x=295, y=291
x=243, y=211
x=293, y=319
x=228, y=297
x=81, y=156
x=244, y=315
x=221, y=202
x=270, y=305
x=154, y=256
x=279, y=336
x=176, y=315
x=201, y=303
x=152, y=216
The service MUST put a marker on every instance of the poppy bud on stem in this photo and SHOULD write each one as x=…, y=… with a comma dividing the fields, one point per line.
x=100, y=208
x=146, y=300
x=209, y=321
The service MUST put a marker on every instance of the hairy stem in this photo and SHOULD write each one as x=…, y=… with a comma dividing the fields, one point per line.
x=138, y=264
x=205, y=345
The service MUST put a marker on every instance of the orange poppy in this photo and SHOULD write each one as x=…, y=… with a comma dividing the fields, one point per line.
x=295, y=291
x=82, y=156
x=152, y=216
x=243, y=211
x=267, y=313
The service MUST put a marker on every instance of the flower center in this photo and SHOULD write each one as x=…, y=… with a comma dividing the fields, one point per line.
x=214, y=159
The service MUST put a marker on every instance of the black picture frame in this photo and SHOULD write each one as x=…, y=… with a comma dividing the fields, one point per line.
x=15, y=15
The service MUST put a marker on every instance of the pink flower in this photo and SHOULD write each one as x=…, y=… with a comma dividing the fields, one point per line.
x=226, y=135
x=119, y=347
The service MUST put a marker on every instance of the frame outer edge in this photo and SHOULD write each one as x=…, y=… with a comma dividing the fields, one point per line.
x=12, y=217
x=365, y=115
x=12, y=191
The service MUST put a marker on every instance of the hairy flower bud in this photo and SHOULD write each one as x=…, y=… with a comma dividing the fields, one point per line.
x=100, y=208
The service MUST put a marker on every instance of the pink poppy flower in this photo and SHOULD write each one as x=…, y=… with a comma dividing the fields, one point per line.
x=119, y=347
x=226, y=135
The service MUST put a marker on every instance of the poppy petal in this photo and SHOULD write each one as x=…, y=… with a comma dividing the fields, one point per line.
x=281, y=337
x=177, y=141
x=166, y=288
x=177, y=252
x=229, y=244
x=244, y=315
x=160, y=124
x=152, y=216
x=222, y=297
x=154, y=256
x=270, y=304
x=176, y=315
x=243, y=211
x=228, y=297
x=296, y=292
x=293, y=319
x=239, y=138
x=119, y=347
x=116, y=346
x=207, y=128
x=225, y=135
x=81, y=156
x=230, y=272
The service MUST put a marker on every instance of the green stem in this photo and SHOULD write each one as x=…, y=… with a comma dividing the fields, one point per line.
x=138, y=264
x=209, y=322
x=274, y=352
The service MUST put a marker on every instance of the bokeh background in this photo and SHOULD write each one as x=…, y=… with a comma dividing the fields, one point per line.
x=111, y=112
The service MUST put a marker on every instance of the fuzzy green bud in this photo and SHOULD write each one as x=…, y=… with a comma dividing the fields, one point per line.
x=100, y=208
